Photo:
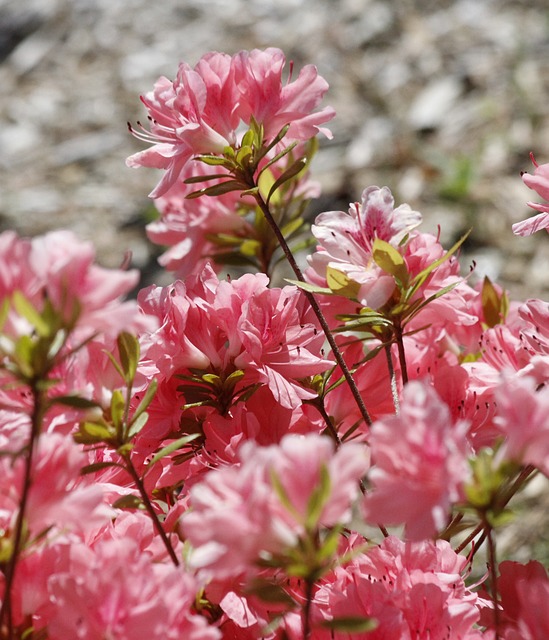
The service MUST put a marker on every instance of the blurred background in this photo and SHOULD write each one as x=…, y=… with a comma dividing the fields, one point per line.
x=441, y=101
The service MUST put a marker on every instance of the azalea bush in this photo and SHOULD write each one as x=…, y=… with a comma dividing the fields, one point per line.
x=223, y=458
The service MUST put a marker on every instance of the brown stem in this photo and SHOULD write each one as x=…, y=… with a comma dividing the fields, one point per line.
x=517, y=484
x=401, y=352
x=492, y=566
x=150, y=509
x=318, y=403
x=478, y=529
x=306, y=614
x=36, y=423
x=316, y=309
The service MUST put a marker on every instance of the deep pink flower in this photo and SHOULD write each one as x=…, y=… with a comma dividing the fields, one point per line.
x=523, y=595
x=420, y=464
x=539, y=182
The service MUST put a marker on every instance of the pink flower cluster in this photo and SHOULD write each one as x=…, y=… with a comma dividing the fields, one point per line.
x=194, y=464
x=201, y=111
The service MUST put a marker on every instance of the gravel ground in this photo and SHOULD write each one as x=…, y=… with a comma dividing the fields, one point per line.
x=441, y=101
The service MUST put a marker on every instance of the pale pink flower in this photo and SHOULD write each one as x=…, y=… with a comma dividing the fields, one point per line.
x=238, y=514
x=539, y=182
x=523, y=418
x=346, y=241
x=67, y=266
x=419, y=464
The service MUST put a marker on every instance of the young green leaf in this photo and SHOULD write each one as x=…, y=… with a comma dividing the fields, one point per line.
x=128, y=348
x=390, y=260
x=341, y=284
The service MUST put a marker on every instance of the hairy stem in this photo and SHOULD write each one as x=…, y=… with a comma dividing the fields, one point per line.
x=316, y=309
x=392, y=377
x=492, y=567
x=39, y=408
x=150, y=509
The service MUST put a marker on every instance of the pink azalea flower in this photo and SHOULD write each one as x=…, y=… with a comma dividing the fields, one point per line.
x=200, y=112
x=238, y=514
x=258, y=75
x=539, y=182
x=185, y=224
x=420, y=464
x=524, y=592
x=522, y=417
x=194, y=114
x=412, y=589
x=346, y=240
x=114, y=591
x=59, y=496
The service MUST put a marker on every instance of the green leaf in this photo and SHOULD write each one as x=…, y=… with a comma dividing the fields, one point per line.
x=4, y=312
x=292, y=226
x=283, y=494
x=27, y=310
x=217, y=189
x=318, y=499
x=137, y=424
x=146, y=400
x=270, y=592
x=76, y=402
x=494, y=306
x=118, y=409
x=250, y=247
x=290, y=173
x=215, y=161
x=390, y=260
x=422, y=276
x=341, y=284
x=93, y=433
x=265, y=183
x=211, y=176
x=128, y=502
x=350, y=624
x=312, y=288
x=265, y=150
x=98, y=466
x=243, y=155
x=128, y=348
x=170, y=448
x=279, y=156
